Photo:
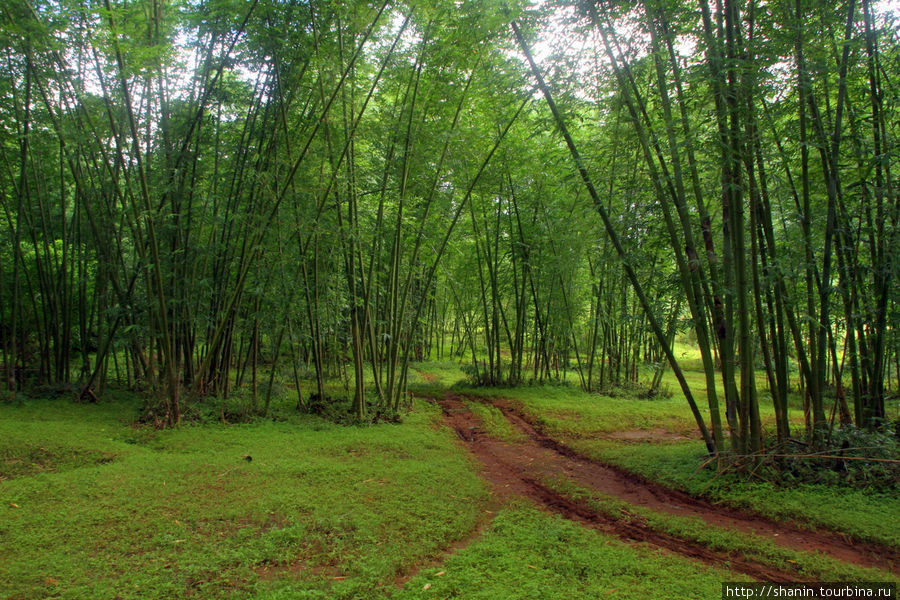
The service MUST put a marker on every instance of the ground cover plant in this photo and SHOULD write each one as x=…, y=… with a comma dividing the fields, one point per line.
x=529, y=554
x=98, y=504
x=284, y=509
x=859, y=513
x=806, y=564
x=215, y=511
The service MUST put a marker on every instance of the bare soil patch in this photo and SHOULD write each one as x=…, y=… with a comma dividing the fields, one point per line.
x=428, y=376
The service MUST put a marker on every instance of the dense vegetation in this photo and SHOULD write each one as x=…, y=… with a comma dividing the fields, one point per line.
x=214, y=199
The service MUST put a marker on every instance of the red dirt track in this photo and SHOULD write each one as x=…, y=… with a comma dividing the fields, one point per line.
x=518, y=469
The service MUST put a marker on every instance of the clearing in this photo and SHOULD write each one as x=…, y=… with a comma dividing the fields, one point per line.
x=475, y=495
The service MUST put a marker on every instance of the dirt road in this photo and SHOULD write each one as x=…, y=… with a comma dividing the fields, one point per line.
x=519, y=469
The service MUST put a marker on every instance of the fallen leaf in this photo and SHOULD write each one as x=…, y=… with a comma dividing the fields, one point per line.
x=532, y=567
x=439, y=574
x=13, y=505
x=51, y=581
x=426, y=586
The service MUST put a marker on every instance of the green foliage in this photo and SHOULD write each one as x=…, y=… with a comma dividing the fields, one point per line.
x=344, y=187
x=852, y=457
x=223, y=203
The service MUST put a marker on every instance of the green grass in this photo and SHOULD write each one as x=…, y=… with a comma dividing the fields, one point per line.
x=29, y=458
x=92, y=506
x=323, y=510
x=863, y=515
x=762, y=550
x=530, y=555
x=495, y=424
x=568, y=411
x=320, y=511
x=434, y=376
x=584, y=422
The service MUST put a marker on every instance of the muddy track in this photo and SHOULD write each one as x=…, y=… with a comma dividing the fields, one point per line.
x=638, y=490
x=518, y=469
x=640, y=532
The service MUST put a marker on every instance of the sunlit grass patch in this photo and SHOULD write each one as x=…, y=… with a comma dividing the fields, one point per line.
x=435, y=375
x=567, y=410
x=495, y=424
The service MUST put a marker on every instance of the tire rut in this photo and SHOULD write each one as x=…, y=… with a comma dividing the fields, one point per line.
x=636, y=531
x=637, y=490
x=516, y=469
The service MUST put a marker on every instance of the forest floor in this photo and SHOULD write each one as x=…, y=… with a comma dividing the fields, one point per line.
x=494, y=494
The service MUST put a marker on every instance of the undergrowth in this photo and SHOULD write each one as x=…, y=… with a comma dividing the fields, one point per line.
x=855, y=458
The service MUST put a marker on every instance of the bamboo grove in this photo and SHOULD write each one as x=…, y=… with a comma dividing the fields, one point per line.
x=208, y=198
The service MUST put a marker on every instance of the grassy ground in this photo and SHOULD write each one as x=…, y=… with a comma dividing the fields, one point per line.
x=810, y=565
x=528, y=555
x=586, y=422
x=863, y=515
x=495, y=424
x=92, y=506
x=113, y=511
